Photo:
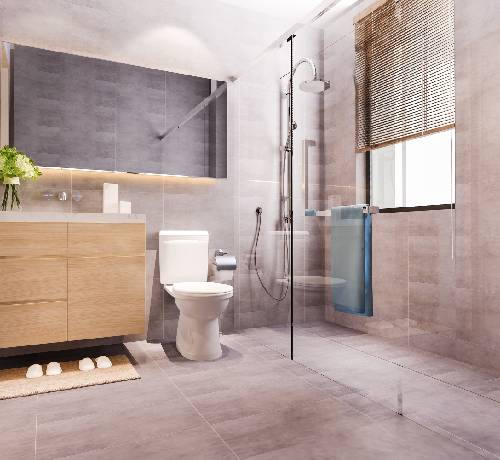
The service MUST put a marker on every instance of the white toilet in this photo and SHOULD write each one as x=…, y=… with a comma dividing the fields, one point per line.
x=183, y=273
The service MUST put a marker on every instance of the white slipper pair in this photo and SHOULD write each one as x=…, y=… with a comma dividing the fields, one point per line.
x=36, y=370
x=86, y=364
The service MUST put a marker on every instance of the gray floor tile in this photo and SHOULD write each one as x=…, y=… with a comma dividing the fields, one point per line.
x=18, y=442
x=195, y=443
x=270, y=431
x=57, y=439
x=271, y=393
x=101, y=399
x=17, y=412
x=372, y=442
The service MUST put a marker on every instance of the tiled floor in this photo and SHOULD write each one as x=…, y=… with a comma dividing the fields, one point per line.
x=253, y=403
x=449, y=397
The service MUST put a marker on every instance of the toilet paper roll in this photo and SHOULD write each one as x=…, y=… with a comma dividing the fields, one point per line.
x=225, y=262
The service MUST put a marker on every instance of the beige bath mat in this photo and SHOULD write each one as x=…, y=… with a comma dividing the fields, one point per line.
x=13, y=382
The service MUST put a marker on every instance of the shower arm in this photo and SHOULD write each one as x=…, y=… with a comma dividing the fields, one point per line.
x=297, y=65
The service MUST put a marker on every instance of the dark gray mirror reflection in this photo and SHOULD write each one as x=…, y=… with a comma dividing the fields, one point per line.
x=76, y=112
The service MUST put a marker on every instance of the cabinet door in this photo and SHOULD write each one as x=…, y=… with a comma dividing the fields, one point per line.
x=105, y=296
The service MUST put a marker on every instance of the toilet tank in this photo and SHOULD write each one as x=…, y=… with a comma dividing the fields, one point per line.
x=183, y=256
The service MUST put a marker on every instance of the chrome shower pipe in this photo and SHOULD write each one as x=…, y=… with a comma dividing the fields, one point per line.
x=297, y=65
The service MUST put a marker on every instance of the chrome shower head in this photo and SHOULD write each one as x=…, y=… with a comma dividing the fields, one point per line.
x=314, y=86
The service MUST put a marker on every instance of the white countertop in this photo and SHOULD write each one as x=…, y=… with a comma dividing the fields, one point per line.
x=10, y=216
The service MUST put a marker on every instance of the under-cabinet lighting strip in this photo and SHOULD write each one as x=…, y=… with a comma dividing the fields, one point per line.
x=58, y=168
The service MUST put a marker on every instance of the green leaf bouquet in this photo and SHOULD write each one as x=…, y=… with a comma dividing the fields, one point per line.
x=14, y=167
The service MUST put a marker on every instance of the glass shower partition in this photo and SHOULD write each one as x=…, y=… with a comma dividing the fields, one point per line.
x=263, y=310
x=428, y=346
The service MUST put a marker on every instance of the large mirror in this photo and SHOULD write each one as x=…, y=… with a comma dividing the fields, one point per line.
x=77, y=112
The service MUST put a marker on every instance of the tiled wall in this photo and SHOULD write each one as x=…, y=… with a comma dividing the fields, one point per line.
x=478, y=168
x=435, y=273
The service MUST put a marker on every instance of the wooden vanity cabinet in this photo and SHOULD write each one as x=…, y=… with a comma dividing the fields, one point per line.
x=70, y=281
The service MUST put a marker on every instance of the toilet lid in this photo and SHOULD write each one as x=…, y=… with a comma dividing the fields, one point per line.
x=202, y=288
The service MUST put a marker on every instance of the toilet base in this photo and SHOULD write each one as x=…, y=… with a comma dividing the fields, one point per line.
x=198, y=340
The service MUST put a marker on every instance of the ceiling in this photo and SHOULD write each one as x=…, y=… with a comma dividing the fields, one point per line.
x=292, y=10
x=210, y=38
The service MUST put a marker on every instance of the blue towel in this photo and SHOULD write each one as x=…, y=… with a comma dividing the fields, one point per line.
x=351, y=260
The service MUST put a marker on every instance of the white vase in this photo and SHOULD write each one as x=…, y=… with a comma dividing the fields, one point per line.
x=11, y=181
x=10, y=188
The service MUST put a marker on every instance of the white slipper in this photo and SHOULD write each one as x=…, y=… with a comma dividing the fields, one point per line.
x=34, y=371
x=103, y=362
x=86, y=364
x=53, y=368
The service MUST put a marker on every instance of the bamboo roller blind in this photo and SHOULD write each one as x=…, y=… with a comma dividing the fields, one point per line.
x=404, y=71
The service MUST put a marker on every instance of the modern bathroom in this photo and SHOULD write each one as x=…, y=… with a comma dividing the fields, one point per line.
x=249, y=229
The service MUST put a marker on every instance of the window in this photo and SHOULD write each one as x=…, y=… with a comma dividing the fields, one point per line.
x=417, y=172
x=405, y=100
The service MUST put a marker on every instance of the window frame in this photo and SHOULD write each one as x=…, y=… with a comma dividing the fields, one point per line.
x=398, y=209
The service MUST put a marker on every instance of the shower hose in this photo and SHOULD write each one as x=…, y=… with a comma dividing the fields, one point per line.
x=286, y=250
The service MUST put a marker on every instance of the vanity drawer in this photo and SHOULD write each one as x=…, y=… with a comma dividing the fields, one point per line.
x=33, y=279
x=31, y=239
x=106, y=239
x=33, y=323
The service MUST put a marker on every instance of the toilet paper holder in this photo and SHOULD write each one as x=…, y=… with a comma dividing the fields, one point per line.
x=223, y=261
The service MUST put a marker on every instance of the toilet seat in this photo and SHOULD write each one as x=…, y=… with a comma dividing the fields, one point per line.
x=206, y=289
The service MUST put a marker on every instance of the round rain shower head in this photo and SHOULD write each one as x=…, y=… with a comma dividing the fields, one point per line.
x=314, y=86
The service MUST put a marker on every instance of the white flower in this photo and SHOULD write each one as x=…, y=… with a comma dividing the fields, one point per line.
x=29, y=173
x=23, y=163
